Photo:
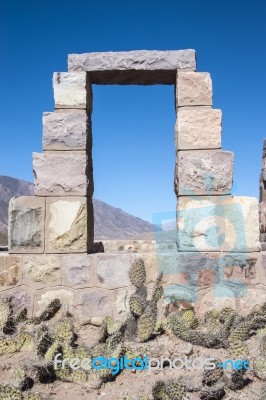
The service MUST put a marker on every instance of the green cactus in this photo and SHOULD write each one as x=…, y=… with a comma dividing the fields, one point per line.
x=146, y=326
x=25, y=341
x=64, y=330
x=9, y=393
x=137, y=272
x=8, y=345
x=32, y=396
x=79, y=376
x=5, y=312
x=259, y=367
x=52, y=351
x=48, y=313
x=20, y=376
x=159, y=391
x=158, y=289
x=136, y=305
x=175, y=390
x=189, y=316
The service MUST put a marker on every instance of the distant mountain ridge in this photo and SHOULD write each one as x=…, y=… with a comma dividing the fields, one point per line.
x=109, y=222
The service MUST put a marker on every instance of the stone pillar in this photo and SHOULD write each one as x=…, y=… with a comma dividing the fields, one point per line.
x=59, y=219
x=262, y=200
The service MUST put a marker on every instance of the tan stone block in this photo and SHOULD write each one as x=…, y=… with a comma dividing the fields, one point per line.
x=40, y=271
x=45, y=296
x=198, y=224
x=112, y=270
x=65, y=130
x=70, y=89
x=78, y=270
x=20, y=297
x=254, y=296
x=193, y=89
x=91, y=303
x=69, y=229
x=240, y=224
x=120, y=301
x=10, y=271
x=204, y=172
x=198, y=128
x=209, y=298
x=61, y=173
x=26, y=224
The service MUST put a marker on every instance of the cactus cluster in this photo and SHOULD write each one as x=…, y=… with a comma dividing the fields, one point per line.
x=168, y=390
x=142, y=321
x=218, y=329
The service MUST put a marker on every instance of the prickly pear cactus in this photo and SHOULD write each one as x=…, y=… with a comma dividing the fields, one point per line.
x=136, y=305
x=4, y=314
x=9, y=393
x=63, y=330
x=137, y=273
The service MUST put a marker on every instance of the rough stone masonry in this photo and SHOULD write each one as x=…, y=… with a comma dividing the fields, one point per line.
x=214, y=257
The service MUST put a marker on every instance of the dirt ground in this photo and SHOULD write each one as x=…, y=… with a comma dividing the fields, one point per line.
x=133, y=384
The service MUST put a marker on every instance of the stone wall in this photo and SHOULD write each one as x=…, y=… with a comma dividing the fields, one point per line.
x=212, y=258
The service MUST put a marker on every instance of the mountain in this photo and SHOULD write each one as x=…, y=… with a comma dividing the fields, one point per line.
x=109, y=222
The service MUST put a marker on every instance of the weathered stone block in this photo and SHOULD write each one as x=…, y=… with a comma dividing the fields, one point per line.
x=204, y=172
x=213, y=298
x=68, y=228
x=78, y=270
x=240, y=268
x=61, y=173
x=240, y=224
x=26, y=224
x=193, y=89
x=45, y=296
x=92, y=303
x=10, y=271
x=120, y=300
x=198, y=224
x=133, y=67
x=65, y=130
x=112, y=270
x=70, y=89
x=20, y=297
x=198, y=128
x=41, y=271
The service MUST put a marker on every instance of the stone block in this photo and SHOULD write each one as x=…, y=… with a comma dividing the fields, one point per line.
x=20, y=297
x=215, y=298
x=40, y=271
x=120, y=301
x=198, y=224
x=70, y=89
x=26, y=224
x=10, y=271
x=204, y=172
x=193, y=89
x=61, y=173
x=78, y=270
x=45, y=296
x=240, y=268
x=240, y=224
x=254, y=296
x=65, y=130
x=91, y=303
x=112, y=270
x=69, y=229
x=198, y=128
x=133, y=67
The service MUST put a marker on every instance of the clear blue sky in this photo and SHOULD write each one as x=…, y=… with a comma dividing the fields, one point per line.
x=133, y=127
